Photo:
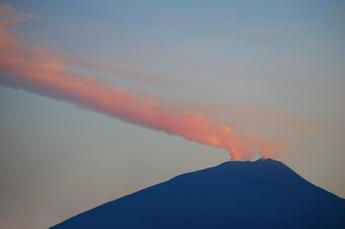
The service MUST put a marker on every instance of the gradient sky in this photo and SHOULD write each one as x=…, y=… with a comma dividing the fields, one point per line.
x=274, y=69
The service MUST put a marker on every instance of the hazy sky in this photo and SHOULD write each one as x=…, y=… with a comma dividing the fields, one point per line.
x=271, y=69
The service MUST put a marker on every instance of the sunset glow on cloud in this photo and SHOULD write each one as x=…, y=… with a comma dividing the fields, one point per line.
x=100, y=99
x=39, y=70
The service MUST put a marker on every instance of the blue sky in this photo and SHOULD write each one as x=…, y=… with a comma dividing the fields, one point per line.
x=280, y=58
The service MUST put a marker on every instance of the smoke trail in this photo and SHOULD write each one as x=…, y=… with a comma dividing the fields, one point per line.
x=41, y=71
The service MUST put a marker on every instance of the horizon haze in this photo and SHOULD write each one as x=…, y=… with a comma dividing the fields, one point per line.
x=102, y=99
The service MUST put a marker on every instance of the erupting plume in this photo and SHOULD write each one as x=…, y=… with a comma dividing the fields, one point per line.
x=43, y=72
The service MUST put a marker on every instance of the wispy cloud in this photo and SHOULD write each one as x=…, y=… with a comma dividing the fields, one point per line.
x=42, y=71
x=128, y=73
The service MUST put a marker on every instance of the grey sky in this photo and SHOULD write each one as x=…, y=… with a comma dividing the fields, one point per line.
x=275, y=58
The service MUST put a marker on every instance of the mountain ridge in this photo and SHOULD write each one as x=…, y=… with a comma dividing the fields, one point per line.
x=241, y=194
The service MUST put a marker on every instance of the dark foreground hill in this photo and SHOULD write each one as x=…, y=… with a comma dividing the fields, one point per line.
x=261, y=194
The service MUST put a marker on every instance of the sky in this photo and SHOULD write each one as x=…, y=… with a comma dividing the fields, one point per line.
x=197, y=80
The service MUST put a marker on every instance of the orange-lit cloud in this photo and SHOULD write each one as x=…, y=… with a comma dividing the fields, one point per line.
x=42, y=71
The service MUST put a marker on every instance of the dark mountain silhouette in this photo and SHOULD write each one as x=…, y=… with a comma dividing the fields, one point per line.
x=260, y=194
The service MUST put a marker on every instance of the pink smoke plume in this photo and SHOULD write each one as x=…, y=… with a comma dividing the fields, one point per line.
x=43, y=72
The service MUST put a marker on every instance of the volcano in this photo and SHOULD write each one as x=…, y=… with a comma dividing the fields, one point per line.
x=259, y=194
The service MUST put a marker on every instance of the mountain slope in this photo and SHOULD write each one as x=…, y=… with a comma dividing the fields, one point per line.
x=260, y=194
